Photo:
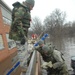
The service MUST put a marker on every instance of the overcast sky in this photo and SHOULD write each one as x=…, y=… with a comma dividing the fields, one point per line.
x=43, y=8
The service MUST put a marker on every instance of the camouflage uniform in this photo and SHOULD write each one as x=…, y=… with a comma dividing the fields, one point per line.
x=19, y=28
x=49, y=54
x=20, y=22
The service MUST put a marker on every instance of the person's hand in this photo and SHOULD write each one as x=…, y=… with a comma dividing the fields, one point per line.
x=33, y=48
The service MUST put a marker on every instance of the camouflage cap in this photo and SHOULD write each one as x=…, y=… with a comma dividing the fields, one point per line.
x=32, y=2
x=46, y=48
x=40, y=42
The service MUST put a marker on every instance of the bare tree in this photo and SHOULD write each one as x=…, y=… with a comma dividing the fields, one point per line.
x=36, y=25
x=54, y=22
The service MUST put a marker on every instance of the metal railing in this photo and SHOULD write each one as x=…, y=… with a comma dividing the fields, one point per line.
x=32, y=66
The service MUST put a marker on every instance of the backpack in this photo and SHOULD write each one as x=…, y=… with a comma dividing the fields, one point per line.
x=56, y=51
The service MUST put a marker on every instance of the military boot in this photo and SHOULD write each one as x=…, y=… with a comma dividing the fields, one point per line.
x=23, y=40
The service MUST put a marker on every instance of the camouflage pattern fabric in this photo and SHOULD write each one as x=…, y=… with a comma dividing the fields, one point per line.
x=59, y=66
x=20, y=22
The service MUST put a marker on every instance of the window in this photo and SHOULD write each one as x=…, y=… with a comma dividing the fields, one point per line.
x=6, y=15
x=6, y=21
x=1, y=42
x=11, y=43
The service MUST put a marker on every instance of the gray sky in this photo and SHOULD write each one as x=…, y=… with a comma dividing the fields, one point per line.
x=43, y=8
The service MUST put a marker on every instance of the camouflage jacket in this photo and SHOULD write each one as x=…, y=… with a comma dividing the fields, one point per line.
x=54, y=56
x=20, y=21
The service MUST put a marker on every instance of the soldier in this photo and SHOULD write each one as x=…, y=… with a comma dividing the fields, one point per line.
x=54, y=62
x=20, y=23
x=21, y=20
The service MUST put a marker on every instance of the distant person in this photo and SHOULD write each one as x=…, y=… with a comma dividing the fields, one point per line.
x=54, y=62
x=34, y=36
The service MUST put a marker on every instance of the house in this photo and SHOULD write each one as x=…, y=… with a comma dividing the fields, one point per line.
x=8, y=50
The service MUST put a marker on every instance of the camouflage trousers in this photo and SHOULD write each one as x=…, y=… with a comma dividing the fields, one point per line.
x=57, y=72
x=18, y=33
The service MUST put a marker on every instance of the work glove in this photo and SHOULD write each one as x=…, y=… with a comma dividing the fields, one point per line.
x=49, y=64
x=44, y=65
x=35, y=48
